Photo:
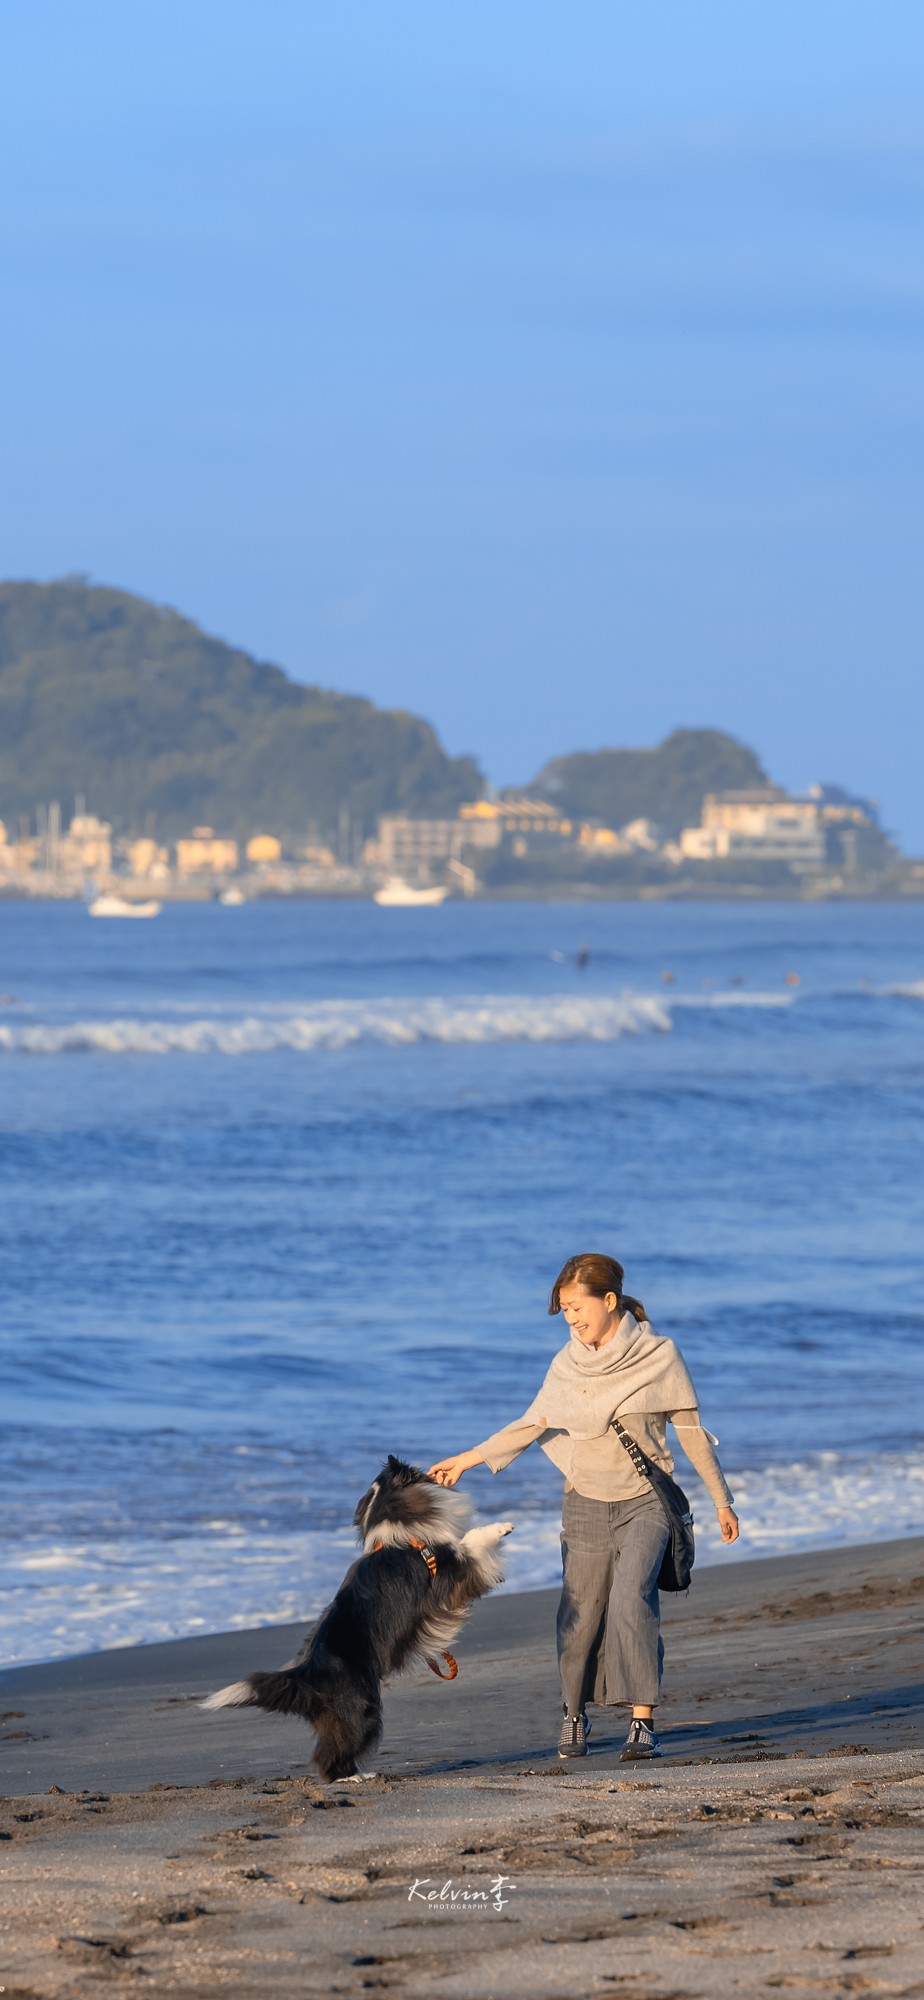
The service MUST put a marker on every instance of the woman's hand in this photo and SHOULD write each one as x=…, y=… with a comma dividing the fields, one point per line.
x=446, y=1471
x=728, y=1522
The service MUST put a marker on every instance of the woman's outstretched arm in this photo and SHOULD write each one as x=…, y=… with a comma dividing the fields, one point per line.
x=447, y=1470
x=497, y=1451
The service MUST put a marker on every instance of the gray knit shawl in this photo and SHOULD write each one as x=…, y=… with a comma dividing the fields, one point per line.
x=638, y=1369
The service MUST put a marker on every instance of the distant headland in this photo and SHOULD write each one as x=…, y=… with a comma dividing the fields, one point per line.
x=141, y=757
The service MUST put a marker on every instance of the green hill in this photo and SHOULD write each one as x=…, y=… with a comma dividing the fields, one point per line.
x=107, y=695
x=667, y=784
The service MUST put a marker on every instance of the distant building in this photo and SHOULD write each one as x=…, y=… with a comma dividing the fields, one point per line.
x=411, y=845
x=640, y=836
x=10, y=858
x=146, y=859
x=19, y=857
x=749, y=811
x=205, y=852
x=603, y=840
x=86, y=847
x=844, y=806
x=760, y=824
x=263, y=847
x=644, y=834
x=510, y=816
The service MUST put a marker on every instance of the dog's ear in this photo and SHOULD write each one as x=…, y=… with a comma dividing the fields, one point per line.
x=393, y=1462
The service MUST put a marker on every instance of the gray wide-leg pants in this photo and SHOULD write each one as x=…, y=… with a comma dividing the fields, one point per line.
x=609, y=1625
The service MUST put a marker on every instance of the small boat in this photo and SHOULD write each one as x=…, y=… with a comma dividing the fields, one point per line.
x=120, y=906
x=396, y=894
x=232, y=898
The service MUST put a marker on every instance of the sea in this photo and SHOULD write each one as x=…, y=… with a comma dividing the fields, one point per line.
x=283, y=1188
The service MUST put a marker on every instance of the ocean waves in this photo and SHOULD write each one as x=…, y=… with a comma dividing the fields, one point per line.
x=61, y=1597
x=343, y=1024
x=400, y=1022
x=311, y=1214
x=485, y=1019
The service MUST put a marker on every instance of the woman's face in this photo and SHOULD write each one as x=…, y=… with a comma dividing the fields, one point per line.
x=592, y=1320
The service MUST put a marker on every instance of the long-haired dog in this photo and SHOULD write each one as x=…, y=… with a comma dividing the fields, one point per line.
x=399, y=1605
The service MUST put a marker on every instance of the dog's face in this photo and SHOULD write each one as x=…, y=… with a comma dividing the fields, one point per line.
x=394, y=1496
x=404, y=1497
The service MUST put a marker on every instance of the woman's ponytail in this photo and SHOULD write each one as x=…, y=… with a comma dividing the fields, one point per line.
x=634, y=1306
x=598, y=1274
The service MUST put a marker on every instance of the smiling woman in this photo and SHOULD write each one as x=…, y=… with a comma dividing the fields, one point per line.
x=601, y=1416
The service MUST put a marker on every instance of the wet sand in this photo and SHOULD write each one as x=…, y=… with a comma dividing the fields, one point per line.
x=777, y=1847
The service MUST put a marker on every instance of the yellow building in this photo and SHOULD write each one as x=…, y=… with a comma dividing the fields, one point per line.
x=205, y=852
x=515, y=816
x=264, y=847
x=603, y=840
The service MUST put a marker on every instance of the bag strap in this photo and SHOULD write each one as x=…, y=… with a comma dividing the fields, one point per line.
x=634, y=1450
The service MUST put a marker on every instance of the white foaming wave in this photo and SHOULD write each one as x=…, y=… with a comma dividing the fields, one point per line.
x=65, y=1599
x=913, y=990
x=346, y=1023
x=828, y=1501
x=736, y=998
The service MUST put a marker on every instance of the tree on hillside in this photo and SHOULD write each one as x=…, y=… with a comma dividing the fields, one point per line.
x=105, y=694
x=667, y=784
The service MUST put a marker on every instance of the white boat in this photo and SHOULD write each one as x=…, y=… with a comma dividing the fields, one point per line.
x=120, y=906
x=396, y=894
x=233, y=897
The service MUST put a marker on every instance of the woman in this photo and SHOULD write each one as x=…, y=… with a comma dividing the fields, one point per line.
x=613, y=1530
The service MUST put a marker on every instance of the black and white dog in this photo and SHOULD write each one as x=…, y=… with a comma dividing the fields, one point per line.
x=400, y=1604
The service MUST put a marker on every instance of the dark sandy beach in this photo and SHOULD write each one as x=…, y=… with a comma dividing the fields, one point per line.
x=777, y=1847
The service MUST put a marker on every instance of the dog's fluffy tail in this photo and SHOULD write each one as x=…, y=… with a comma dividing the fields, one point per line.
x=347, y=1719
x=284, y=1692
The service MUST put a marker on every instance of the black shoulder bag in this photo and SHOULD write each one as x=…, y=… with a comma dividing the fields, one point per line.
x=679, y=1556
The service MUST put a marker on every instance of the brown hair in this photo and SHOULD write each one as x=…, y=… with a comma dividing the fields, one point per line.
x=598, y=1274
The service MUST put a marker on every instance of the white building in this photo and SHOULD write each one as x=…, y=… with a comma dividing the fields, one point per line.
x=761, y=824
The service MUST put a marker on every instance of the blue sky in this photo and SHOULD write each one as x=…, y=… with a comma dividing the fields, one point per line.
x=552, y=371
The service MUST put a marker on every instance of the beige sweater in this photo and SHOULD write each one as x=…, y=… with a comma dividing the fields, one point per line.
x=603, y=1469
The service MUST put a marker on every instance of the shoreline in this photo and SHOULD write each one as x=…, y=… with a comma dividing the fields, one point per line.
x=907, y=889
x=99, y=1691
x=897, y=893
x=712, y=1558
x=776, y=1843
